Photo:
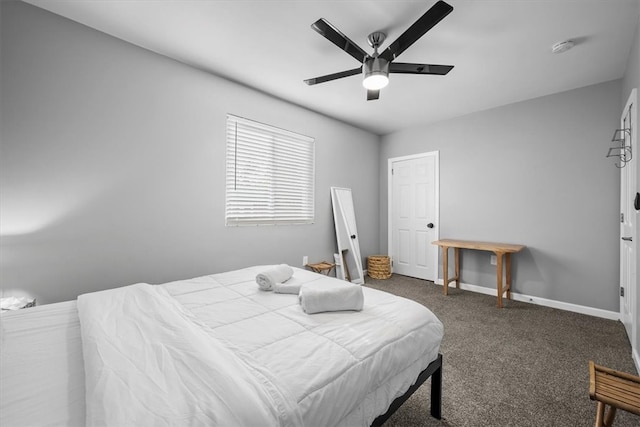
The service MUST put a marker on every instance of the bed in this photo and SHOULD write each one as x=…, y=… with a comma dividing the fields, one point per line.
x=216, y=346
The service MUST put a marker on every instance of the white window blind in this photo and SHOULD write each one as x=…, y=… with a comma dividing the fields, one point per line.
x=270, y=174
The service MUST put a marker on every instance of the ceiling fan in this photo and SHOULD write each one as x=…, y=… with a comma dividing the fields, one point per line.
x=375, y=68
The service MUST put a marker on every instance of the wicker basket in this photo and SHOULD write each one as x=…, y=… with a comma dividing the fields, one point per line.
x=379, y=267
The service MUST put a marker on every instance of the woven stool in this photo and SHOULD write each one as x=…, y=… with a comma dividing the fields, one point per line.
x=617, y=389
x=322, y=266
x=379, y=266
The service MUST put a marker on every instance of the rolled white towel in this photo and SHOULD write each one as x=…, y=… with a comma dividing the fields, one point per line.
x=291, y=286
x=276, y=274
x=316, y=299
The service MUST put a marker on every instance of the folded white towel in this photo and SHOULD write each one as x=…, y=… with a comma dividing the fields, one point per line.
x=276, y=274
x=316, y=299
x=291, y=286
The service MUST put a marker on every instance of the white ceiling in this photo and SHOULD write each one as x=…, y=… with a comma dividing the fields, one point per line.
x=501, y=49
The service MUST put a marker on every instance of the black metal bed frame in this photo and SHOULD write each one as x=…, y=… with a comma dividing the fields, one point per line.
x=434, y=370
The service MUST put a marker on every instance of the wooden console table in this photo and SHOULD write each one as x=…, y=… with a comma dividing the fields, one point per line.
x=503, y=252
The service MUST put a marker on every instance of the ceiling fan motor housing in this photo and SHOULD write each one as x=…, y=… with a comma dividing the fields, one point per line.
x=375, y=73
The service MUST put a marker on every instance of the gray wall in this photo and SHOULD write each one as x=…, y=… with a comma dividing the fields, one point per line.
x=532, y=173
x=112, y=166
x=631, y=77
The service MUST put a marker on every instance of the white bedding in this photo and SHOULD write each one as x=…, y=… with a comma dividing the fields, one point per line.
x=148, y=362
x=335, y=368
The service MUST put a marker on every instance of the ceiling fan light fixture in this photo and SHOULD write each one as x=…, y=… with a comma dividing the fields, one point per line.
x=376, y=73
x=375, y=81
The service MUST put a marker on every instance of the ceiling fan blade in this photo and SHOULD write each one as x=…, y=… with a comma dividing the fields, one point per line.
x=427, y=21
x=333, y=76
x=372, y=95
x=405, y=68
x=331, y=33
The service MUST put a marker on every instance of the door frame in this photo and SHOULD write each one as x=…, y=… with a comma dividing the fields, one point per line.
x=631, y=288
x=436, y=155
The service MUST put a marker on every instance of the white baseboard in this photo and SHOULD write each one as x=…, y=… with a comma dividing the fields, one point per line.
x=597, y=312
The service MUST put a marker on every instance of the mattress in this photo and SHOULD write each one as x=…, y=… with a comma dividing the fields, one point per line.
x=41, y=367
x=339, y=368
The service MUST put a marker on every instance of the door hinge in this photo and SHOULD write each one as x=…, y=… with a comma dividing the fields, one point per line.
x=392, y=263
x=621, y=217
x=392, y=171
x=621, y=291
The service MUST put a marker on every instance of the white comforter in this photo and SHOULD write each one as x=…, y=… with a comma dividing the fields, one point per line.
x=148, y=362
x=216, y=350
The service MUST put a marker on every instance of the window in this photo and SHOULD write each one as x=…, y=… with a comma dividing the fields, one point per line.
x=270, y=175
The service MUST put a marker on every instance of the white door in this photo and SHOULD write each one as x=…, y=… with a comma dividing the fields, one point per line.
x=413, y=215
x=628, y=247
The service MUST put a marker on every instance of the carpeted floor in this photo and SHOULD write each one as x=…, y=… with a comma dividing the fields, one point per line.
x=523, y=365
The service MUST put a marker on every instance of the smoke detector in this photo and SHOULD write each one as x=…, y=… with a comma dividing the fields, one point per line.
x=562, y=46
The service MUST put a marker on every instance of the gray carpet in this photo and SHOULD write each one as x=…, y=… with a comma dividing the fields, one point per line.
x=522, y=365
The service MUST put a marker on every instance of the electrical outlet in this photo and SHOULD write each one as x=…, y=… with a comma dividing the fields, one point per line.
x=494, y=261
x=305, y=260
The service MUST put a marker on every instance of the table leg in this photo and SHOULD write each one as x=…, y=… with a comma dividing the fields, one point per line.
x=507, y=259
x=599, y=414
x=445, y=270
x=608, y=418
x=499, y=257
x=457, y=265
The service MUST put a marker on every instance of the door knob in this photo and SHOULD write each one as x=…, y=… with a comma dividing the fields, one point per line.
x=430, y=225
x=628, y=239
x=353, y=236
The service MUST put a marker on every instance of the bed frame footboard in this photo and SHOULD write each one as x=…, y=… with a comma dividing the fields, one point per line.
x=434, y=370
